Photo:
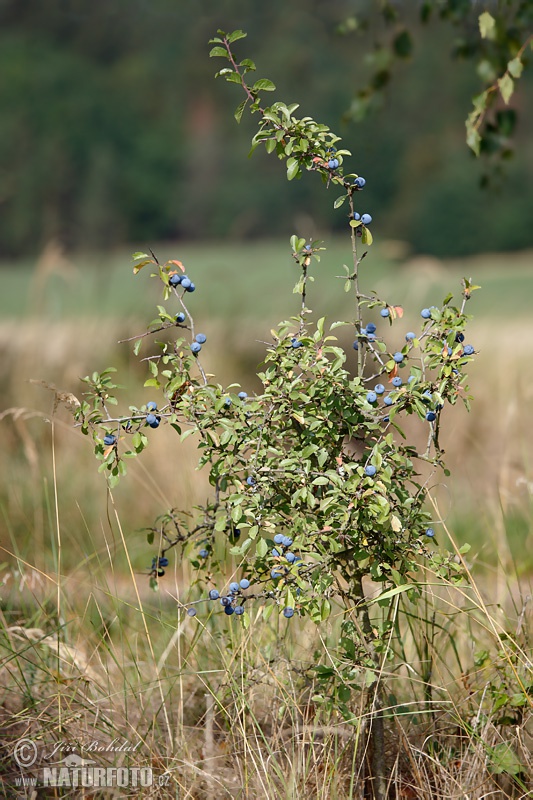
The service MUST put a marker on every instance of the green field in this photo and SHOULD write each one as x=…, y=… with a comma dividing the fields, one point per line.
x=254, y=280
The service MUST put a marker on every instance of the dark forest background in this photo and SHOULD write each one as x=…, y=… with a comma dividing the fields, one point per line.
x=113, y=130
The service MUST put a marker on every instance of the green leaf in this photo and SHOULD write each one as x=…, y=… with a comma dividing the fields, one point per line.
x=403, y=44
x=218, y=52
x=339, y=201
x=137, y=346
x=236, y=35
x=239, y=110
x=292, y=168
x=487, y=25
x=152, y=382
x=263, y=84
x=261, y=548
x=325, y=610
x=367, y=237
x=506, y=86
x=515, y=67
x=270, y=145
x=473, y=139
x=234, y=78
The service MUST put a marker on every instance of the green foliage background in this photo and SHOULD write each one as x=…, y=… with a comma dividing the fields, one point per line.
x=113, y=130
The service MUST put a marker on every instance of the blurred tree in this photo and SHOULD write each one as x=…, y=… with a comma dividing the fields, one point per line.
x=112, y=131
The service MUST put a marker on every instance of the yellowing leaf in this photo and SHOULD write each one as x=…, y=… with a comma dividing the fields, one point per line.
x=395, y=524
x=487, y=25
x=506, y=86
x=178, y=264
x=515, y=67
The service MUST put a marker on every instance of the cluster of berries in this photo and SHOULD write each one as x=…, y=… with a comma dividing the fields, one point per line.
x=232, y=602
x=199, y=340
x=366, y=219
x=183, y=281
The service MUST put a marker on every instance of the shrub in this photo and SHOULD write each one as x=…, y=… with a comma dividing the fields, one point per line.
x=315, y=486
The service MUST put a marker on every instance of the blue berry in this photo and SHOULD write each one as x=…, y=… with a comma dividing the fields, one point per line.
x=398, y=357
x=151, y=420
x=174, y=280
x=356, y=216
x=203, y=553
x=431, y=416
x=426, y=313
x=288, y=612
x=229, y=610
x=191, y=288
x=379, y=388
x=370, y=470
x=214, y=594
x=196, y=347
x=180, y=317
x=191, y=612
x=397, y=381
x=275, y=552
x=359, y=182
x=366, y=219
x=355, y=345
x=239, y=610
x=250, y=481
x=201, y=338
x=385, y=312
x=275, y=575
x=427, y=397
x=371, y=337
x=278, y=538
x=411, y=378
x=242, y=395
x=225, y=601
x=151, y=406
x=468, y=350
x=109, y=439
x=227, y=402
x=371, y=397
x=244, y=583
x=410, y=336
x=286, y=541
x=186, y=282
x=163, y=562
x=290, y=557
x=234, y=586
x=333, y=163
x=295, y=343
x=370, y=328
x=459, y=337
x=430, y=532
x=388, y=400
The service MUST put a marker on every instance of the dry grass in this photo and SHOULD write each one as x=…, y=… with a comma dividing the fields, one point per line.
x=88, y=653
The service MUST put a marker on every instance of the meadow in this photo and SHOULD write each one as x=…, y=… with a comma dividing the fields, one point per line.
x=88, y=652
